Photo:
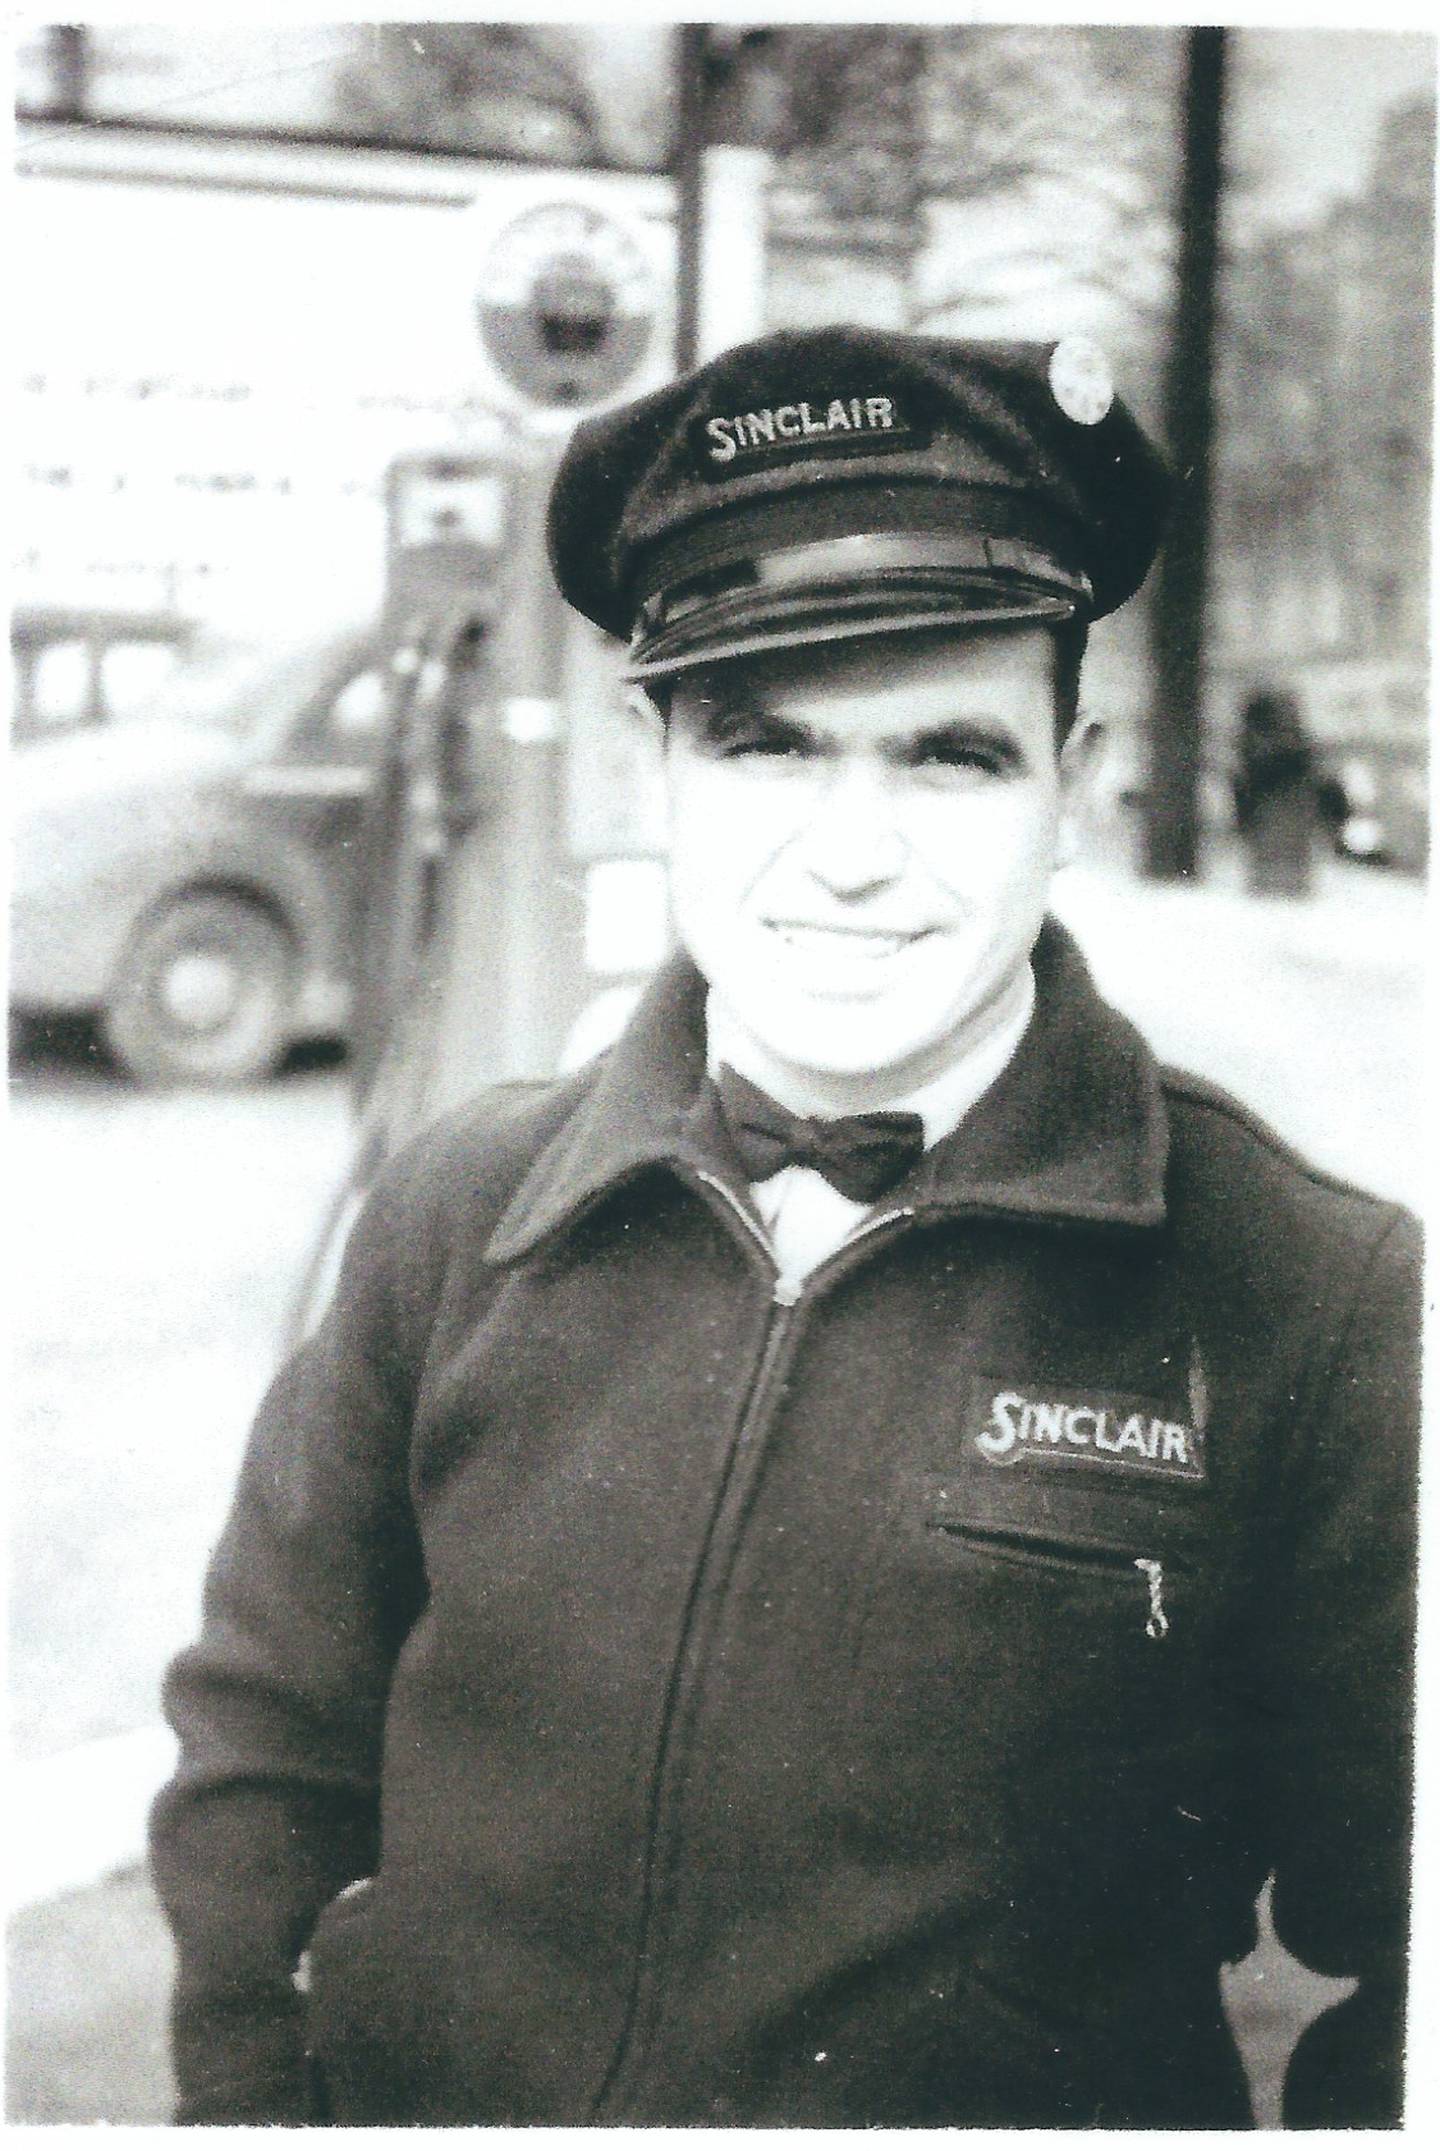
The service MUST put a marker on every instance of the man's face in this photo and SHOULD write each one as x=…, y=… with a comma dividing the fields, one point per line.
x=861, y=840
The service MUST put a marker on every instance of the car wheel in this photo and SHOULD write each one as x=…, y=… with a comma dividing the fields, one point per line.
x=204, y=993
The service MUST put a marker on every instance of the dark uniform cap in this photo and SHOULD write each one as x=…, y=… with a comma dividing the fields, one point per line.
x=839, y=482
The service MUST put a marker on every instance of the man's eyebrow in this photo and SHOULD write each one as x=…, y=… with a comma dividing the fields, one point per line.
x=723, y=719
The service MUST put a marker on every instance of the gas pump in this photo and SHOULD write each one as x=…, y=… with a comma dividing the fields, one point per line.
x=446, y=518
x=507, y=799
x=509, y=881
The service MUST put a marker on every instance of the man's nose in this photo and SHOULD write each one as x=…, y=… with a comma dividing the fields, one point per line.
x=851, y=843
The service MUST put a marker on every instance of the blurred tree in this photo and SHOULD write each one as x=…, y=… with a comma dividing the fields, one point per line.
x=1086, y=107
x=506, y=89
x=886, y=121
x=853, y=118
x=1325, y=400
x=1272, y=450
x=629, y=70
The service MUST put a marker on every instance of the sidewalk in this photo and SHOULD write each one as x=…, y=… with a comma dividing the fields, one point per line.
x=89, y=1982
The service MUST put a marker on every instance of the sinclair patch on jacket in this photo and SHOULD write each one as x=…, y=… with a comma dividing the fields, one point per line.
x=1122, y=1434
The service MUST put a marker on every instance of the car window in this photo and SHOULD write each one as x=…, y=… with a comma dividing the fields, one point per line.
x=61, y=684
x=248, y=687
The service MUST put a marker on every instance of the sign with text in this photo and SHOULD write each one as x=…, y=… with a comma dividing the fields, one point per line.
x=215, y=375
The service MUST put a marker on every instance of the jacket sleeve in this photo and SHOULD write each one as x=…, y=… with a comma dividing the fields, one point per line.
x=279, y=1705
x=1336, y=1757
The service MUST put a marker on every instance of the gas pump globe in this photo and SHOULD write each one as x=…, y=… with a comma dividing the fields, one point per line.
x=566, y=306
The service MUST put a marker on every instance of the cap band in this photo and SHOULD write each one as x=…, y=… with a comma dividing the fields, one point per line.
x=816, y=514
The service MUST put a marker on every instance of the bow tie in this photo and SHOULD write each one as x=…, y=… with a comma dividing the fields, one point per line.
x=860, y=1154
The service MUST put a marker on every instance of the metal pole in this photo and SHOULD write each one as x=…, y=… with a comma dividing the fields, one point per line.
x=69, y=56
x=732, y=248
x=508, y=979
x=544, y=913
x=1178, y=617
x=692, y=63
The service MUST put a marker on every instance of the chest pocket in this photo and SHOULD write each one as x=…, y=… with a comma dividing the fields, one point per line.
x=1033, y=1672
x=1032, y=1661
x=1132, y=1552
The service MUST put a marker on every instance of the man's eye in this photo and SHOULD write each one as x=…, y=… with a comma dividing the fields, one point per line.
x=974, y=756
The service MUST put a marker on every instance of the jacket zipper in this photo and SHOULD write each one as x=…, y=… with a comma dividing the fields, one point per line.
x=785, y=1291
x=785, y=1295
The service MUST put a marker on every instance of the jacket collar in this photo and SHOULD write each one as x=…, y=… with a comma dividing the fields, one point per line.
x=1074, y=1128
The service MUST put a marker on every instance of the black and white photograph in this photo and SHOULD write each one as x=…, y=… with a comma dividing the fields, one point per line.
x=720, y=787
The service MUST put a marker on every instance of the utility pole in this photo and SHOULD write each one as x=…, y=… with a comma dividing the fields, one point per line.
x=727, y=101
x=691, y=101
x=1178, y=615
x=69, y=56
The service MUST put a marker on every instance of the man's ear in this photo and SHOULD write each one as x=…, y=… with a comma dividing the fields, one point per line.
x=1081, y=758
x=649, y=730
x=644, y=709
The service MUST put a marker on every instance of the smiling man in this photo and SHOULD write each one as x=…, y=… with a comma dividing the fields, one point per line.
x=816, y=1566
x=862, y=837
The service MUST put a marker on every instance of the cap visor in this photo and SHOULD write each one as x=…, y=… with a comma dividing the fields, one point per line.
x=713, y=634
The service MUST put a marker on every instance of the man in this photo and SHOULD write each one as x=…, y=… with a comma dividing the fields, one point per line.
x=815, y=1566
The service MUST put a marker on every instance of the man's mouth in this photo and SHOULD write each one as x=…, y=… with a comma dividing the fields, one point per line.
x=862, y=943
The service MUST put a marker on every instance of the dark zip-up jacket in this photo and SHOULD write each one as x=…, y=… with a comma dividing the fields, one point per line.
x=873, y=1701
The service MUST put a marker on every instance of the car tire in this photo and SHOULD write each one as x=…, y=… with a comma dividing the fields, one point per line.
x=204, y=993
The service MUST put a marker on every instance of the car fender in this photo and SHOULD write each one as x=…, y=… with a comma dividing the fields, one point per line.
x=70, y=936
x=267, y=866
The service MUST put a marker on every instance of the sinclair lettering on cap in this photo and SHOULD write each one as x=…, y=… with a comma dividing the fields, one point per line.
x=825, y=425
x=1014, y=1423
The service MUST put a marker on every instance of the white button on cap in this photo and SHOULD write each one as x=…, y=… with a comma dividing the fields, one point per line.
x=1080, y=380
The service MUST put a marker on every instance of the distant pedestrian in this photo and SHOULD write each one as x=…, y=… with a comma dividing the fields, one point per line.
x=1276, y=801
x=816, y=1564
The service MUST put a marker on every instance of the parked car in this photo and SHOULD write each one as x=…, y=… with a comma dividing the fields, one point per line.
x=189, y=875
x=88, y=665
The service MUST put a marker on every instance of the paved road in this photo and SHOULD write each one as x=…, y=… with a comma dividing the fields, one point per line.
x=157, y=1236
x=1309, y=1011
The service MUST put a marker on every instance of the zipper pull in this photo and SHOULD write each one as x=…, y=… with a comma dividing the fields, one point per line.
x=1157, y=1625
